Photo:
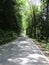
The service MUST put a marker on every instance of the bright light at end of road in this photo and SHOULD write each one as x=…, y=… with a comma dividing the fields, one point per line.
x=36, y=2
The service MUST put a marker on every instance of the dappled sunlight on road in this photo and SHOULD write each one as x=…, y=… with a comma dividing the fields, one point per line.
x=21, y=52
x=32, y=58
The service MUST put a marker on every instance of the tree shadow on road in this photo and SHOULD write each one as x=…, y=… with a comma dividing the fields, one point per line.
x=21, y=52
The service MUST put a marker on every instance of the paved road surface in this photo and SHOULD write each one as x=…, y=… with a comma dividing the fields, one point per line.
x=22, y=51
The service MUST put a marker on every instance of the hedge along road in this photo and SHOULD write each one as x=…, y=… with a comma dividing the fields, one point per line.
x=22, y=51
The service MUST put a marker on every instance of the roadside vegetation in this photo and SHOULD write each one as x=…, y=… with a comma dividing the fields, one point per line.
x=38, y=23
x=10, y=20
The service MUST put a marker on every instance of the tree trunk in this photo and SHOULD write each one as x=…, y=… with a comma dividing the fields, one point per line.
x=47, y=24
x=34, y=15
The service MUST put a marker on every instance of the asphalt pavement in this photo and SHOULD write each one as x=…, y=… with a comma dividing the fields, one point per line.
x=22, y=51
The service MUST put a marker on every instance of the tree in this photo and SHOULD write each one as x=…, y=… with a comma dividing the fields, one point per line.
x=10, y=15
x=47, y=21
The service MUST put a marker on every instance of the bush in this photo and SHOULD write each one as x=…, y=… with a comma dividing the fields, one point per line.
x=6, y=36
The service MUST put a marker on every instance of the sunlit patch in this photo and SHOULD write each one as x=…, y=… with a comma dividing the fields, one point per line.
x=34, y=60
x=0, y=54
x=44, y=62
x=0, y=64
x=19, y=60
x=39, y=57
x=15, y=60
x=9, y=59
x=24, y=60
x=22, y=42
x=24, y=45
x=36, y=56
x=35, y=50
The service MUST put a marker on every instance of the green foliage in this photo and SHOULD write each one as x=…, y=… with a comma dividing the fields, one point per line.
x=32, y=23
x=38, y=21
x=6, y=36
x=19, y=15
x=10, y=19
x=10, y=15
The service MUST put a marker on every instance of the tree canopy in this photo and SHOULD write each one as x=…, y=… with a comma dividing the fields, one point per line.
x=20, y=15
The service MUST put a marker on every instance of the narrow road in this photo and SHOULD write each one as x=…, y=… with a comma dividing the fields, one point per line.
x=22, y=51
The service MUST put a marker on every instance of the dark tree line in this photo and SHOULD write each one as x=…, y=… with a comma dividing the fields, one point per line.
x=10, y=20
x=39, y=28
x=9, y=15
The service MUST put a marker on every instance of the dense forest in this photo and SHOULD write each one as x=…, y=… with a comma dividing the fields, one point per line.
x=10, y=20
x=17, y=16
x=38, y=28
